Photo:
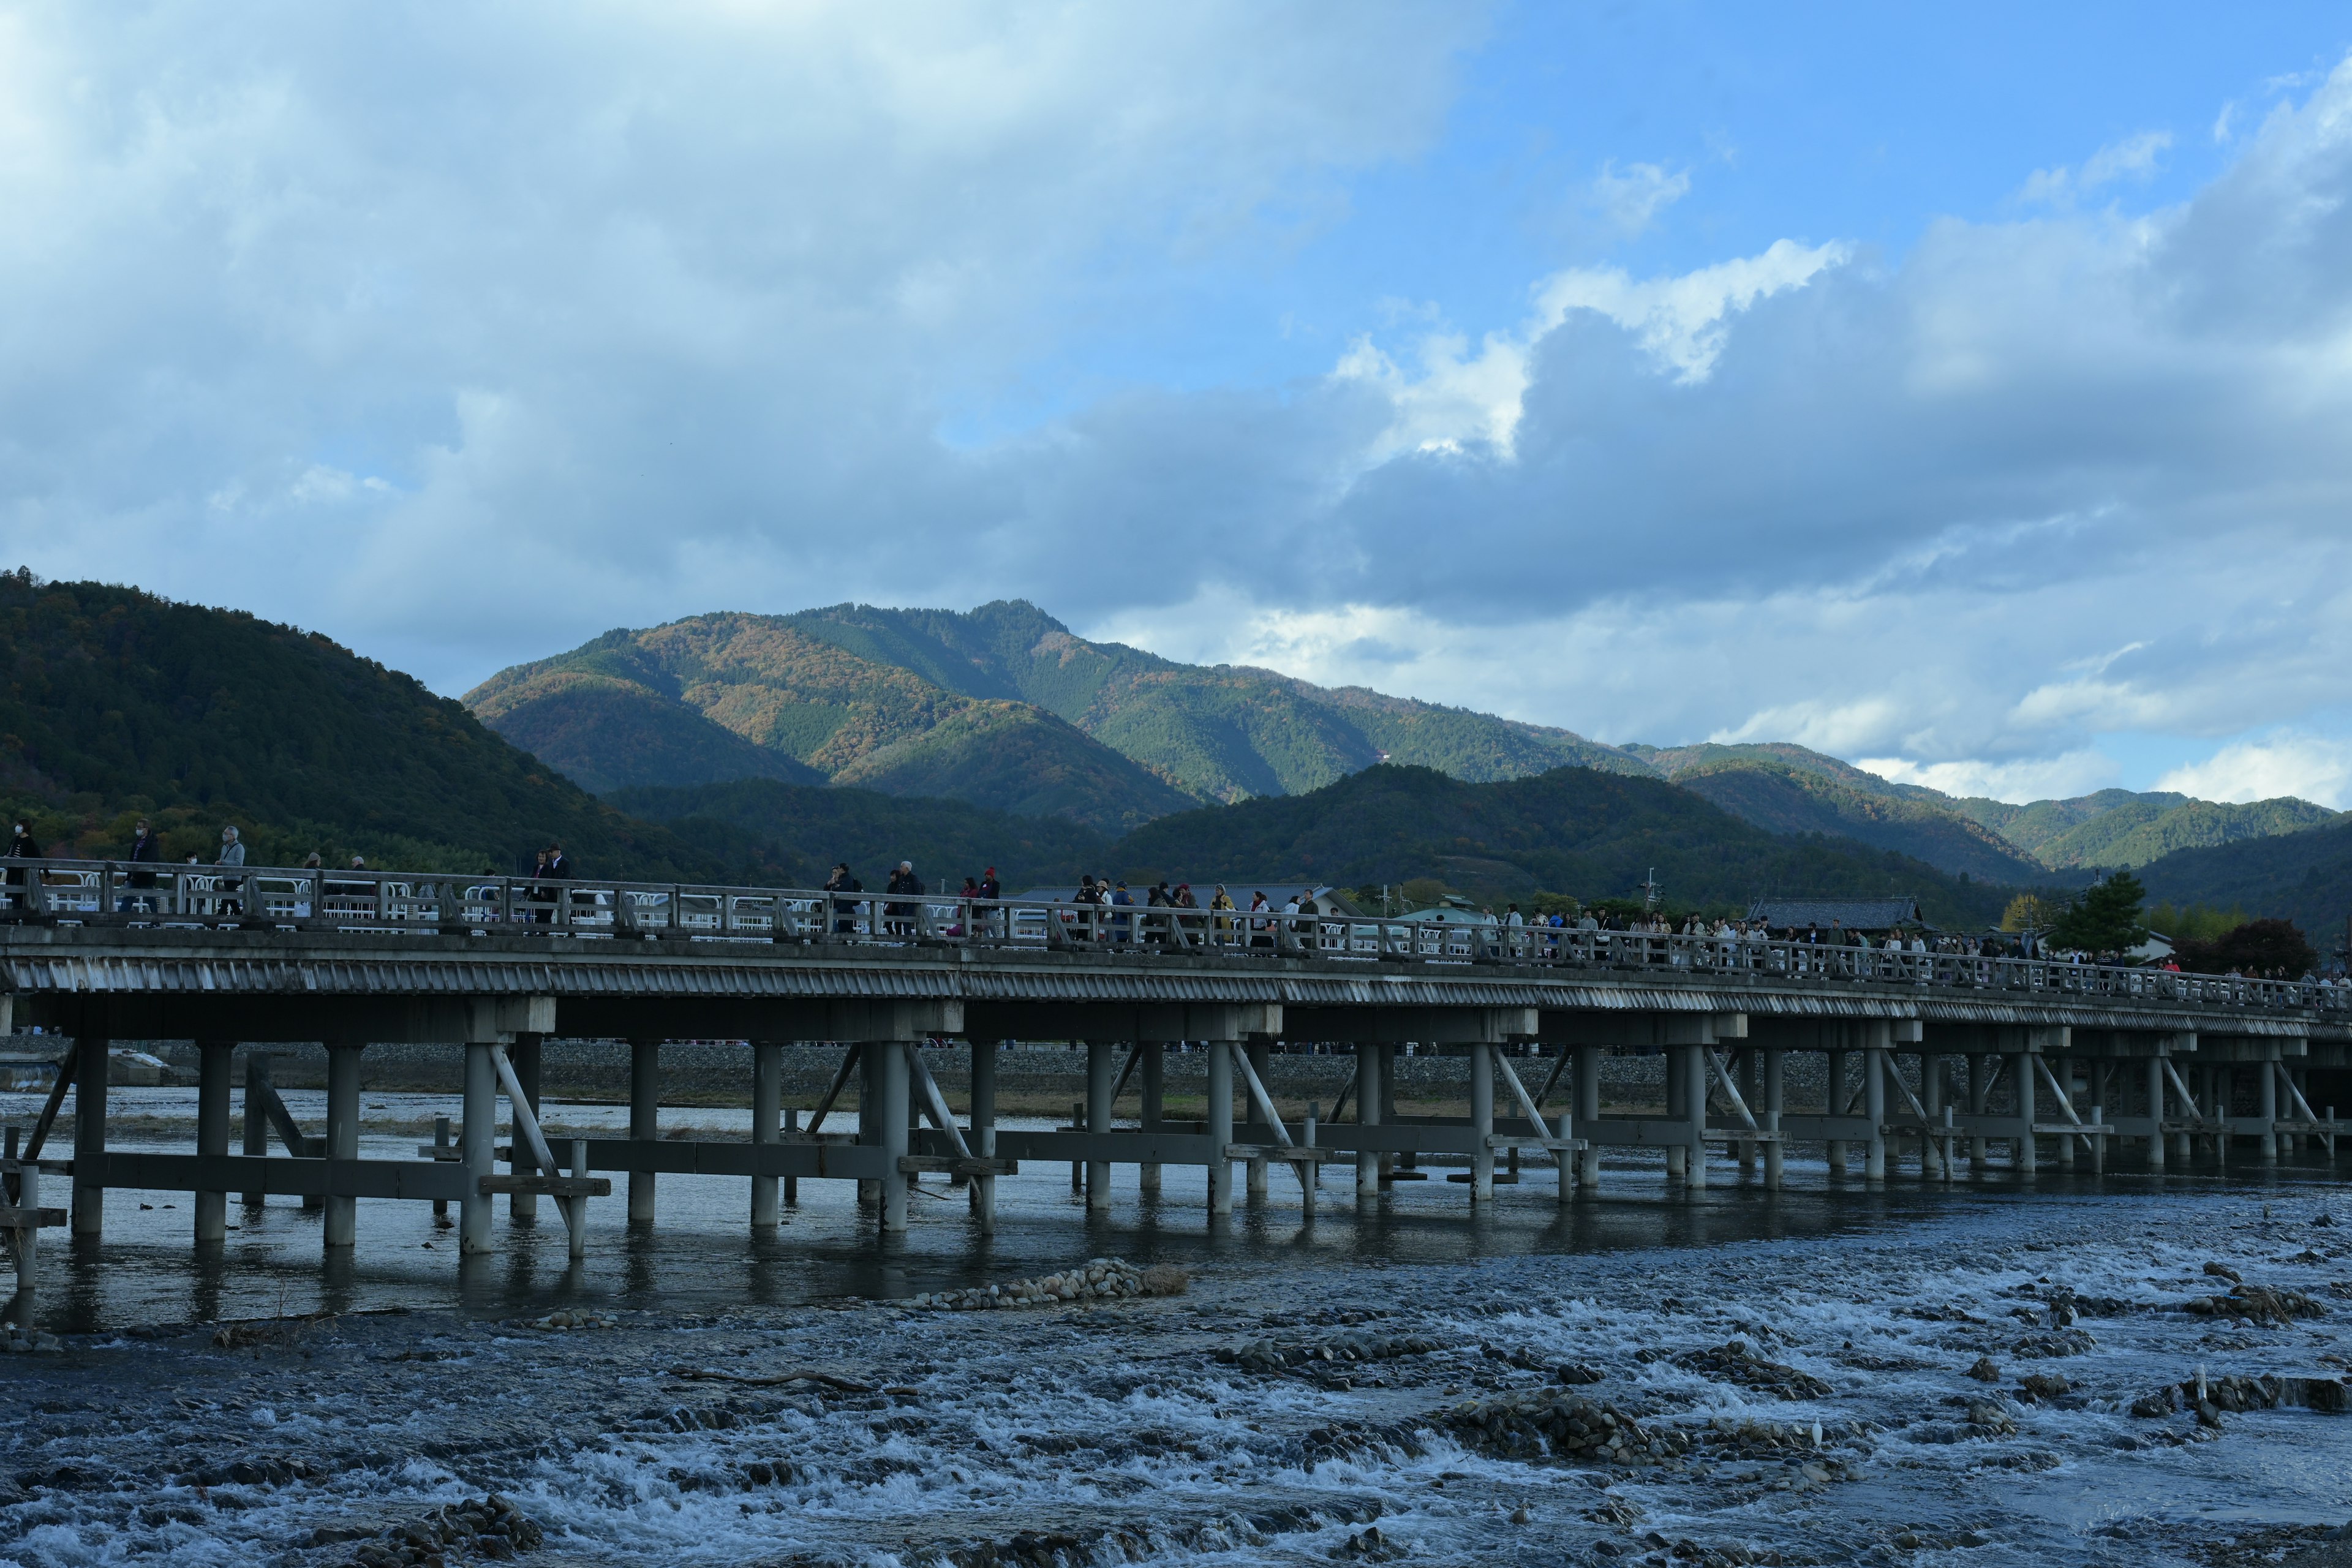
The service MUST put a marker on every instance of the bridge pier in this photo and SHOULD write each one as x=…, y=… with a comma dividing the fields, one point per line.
x=213, y=1066
x=1677, y=1107
x=2266, y=1104
x=1588, y=1112
x=645, y=1121
x=1371, y=1077
x=1775, y=1085
x=2156, y=1139
x=767, y=1125
x=1979, y=1096
x=1220, y=1126
x=886, y=1087
x=478, y=1148
x=1874, y=1068
x=91, y=1064
x=1932, y=1153
x=983, y=1130
x=1102, y=1065
x=1482, y=1124
x=1694, y=1109
x=1153, y=1069
x=342, y=1227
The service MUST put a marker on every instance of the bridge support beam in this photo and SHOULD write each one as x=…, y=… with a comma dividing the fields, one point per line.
x=887, y=1089
x=1371, y=1072
x=257, y=1117
x=1102, y=1064
x=1694, y=1110
x=1834, y=1104
x=1220, y=1126
x=645, y=1121
x=213, y=1069
x=983, y=1130
x=91, y=1064
x=1587, y=1111
x=341, y=1226
x=1482, y=1124
x=1874, y=1068
x=2156, y=1143
x=477, y=1146
x=1153, y=1069
x=767, y=1126
x=1775, y=1087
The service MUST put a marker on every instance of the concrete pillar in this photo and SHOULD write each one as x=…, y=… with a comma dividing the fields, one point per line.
x=1367, y=1114
x=767, y=1125
x=1261, y=1059
x=1874, y=1068
x=257, y=1118
x=211, y=1131
x=983, y=1130
x=2096, y=1111
x=1775, y=1081
x=2267, y=1109
x=1220, y=1126
x=90, y=1134
x=1835, y=1105
x=1979, y=1096
x=887, y=1078
x=1588, y=1110
x=644, y=1121
x=1102, y=1067
x=1153, y=1069
x=2156, y=1141
x=477, y=1142
x=1481, y=1123
x=523, y=1057
x=342, y=1227
x=1694, y=1085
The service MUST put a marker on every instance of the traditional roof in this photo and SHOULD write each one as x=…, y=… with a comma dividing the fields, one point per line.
x=1851, y=914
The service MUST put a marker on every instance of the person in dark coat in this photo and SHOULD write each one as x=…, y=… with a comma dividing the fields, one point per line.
x=902, y=881
x=844, y=910
x=21, y=847
x=145, y=849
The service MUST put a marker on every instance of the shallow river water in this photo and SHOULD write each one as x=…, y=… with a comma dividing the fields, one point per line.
x=261, y=1408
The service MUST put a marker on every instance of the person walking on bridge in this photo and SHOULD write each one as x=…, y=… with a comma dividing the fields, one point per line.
x=901, y=916
x=145, y=850
x=22, y=845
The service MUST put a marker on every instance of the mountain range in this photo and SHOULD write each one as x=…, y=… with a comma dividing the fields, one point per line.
x=118, y=703
x=1004, y=707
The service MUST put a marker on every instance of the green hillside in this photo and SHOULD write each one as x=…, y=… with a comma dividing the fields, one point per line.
x=607, y=733
x=119, y=703
x=1789, y=789
x=1572, y=830
x=1788, y=799
x=796, y=833
x=2145, y=830
x=2303, y=877
x=1018, y=759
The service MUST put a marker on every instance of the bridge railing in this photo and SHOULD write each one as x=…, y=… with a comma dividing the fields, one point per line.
x=96, y=892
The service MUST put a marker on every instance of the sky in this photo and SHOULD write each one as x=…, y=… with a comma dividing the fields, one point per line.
x=1966, y=395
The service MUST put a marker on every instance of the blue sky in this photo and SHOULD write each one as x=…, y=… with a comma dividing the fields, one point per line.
x=1960, y=391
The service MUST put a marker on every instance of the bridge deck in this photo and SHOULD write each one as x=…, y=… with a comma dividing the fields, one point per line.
x=1933, y=1057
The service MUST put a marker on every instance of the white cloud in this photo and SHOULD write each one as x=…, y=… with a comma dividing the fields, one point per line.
x=2018, y=783
x=1630, y=202
x=2313, y=767
x=2133, y=158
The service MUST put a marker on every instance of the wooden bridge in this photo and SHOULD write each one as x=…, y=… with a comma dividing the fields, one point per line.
x=1930, y=1058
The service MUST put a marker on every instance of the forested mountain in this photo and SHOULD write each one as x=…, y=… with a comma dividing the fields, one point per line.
x=795, y=833
x=119, y=703
x=1789, y=789
x=980, y=706
x=1573, y=830
x=2303, y=877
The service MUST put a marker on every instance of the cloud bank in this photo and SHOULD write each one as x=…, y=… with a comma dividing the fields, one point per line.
x=465, y=336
